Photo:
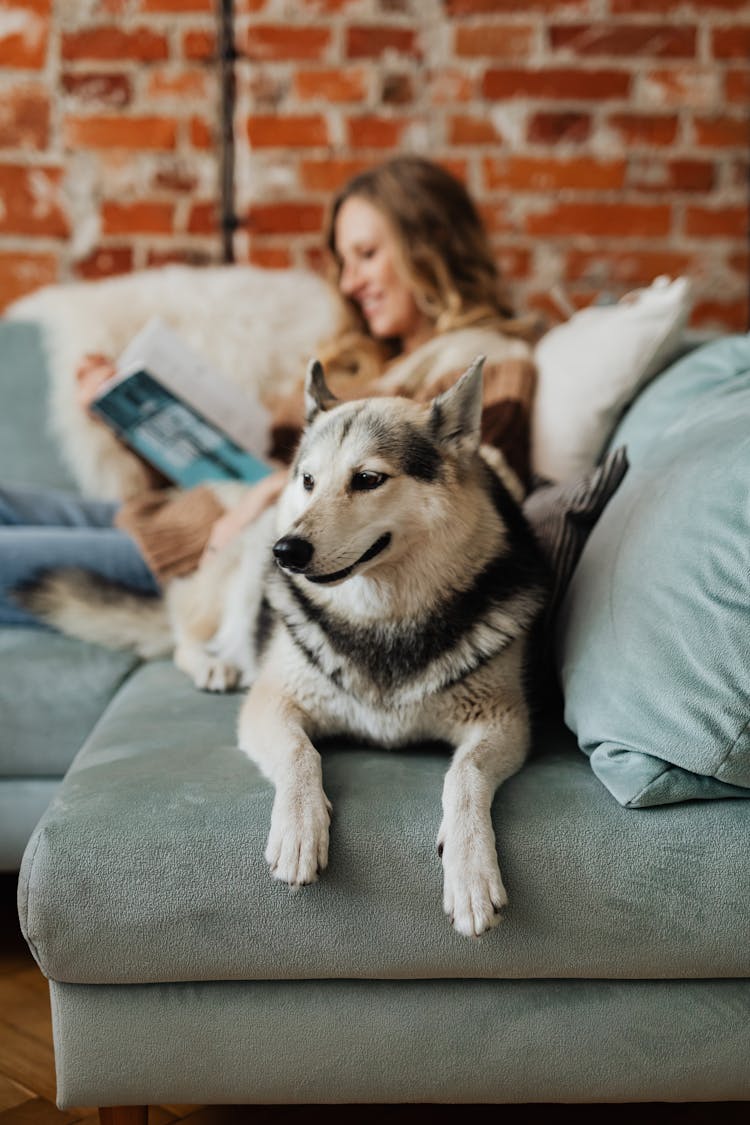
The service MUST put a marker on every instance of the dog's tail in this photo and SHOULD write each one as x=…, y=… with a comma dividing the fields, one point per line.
x=89, y=607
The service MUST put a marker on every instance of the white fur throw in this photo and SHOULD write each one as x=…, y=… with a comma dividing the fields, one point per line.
x=258, y=327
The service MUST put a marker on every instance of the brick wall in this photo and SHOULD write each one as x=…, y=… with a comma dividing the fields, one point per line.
x=606, y=140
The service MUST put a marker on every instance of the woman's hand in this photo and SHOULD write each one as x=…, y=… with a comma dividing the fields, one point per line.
x=91, y=374
x=254, y=502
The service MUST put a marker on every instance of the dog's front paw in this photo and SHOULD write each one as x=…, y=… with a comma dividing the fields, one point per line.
x=473, y=891
x=297, y=849
x=216, y=675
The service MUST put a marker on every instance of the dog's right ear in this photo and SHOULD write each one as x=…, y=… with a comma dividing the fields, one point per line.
x=318, y=396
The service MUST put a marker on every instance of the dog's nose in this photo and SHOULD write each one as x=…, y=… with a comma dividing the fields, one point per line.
x=292, y=553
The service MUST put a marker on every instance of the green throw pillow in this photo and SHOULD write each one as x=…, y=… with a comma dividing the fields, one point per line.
x=654, y=632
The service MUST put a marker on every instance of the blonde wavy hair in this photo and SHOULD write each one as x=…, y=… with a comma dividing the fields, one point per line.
x=444, y=255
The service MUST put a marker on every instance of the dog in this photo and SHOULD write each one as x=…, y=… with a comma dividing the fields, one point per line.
x=391, y=594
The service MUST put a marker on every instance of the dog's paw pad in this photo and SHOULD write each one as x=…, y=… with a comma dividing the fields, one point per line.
x=297, y=849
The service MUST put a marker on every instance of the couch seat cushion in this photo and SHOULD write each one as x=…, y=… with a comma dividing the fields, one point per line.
x=148, y=865
x=52, y=691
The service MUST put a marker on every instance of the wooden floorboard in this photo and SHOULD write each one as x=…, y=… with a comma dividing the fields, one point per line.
x=27, y=1074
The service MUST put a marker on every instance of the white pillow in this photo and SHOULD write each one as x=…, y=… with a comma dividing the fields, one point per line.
x=591, y=367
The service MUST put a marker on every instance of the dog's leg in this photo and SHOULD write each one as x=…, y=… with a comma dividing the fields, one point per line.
x=473, y=891
x=271, y=732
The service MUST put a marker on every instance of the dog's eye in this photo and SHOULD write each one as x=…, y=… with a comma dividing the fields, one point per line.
x=307, y=482
x=367, y=480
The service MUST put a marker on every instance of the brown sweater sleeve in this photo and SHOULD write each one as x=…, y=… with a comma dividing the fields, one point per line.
x=171, y=528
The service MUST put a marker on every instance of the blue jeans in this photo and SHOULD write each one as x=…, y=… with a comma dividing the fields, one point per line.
x=42, y=529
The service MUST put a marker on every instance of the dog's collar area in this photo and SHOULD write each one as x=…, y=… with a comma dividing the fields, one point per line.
x=378, y=546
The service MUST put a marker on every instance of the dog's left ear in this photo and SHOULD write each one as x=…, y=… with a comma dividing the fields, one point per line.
x=318, y=396
x=456, y=415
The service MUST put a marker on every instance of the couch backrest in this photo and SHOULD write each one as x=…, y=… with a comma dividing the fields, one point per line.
x=28, y=454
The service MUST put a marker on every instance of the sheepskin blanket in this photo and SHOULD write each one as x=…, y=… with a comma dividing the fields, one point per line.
x=257, y=327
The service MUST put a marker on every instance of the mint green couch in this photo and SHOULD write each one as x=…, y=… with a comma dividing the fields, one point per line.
x=180, y=972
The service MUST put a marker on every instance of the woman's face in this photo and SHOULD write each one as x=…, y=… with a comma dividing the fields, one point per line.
x=367, y=250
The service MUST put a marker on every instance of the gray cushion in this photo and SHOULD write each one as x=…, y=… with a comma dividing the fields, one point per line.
x=148, y=865
x=653, y=632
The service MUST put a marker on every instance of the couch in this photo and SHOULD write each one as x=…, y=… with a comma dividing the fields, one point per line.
x=180, y=972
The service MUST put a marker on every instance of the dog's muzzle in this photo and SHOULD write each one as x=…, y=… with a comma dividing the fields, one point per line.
x=295, y=554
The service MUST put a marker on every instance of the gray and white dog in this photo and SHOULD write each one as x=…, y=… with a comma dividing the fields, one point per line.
x=390, y=595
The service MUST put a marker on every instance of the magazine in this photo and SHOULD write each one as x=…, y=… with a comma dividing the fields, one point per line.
x=180, y=415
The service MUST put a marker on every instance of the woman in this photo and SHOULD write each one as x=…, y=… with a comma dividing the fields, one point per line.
x=421, y=297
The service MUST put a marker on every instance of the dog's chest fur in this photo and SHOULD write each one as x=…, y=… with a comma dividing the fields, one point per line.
x=392, y=680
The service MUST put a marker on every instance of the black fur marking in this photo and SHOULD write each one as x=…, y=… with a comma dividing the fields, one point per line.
x=407, y=446
x=264, y=623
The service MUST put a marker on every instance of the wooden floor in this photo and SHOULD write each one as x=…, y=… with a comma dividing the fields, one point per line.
x=27, y=1073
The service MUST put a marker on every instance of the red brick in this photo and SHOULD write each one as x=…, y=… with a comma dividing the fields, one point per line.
x=263, y=42
x=201, y=133
x=740, y=263
x=671, y=175
x=199, y=46
x=329, y=175
x=203, y=219
x=626, y=7
x=644, y=128
x=496, y=218
x=493, y=7
x=23, y=41
x=601, y=220
x=270, y=257
x=143, y=217
x=514, y=261
x=120, y=132
x=285, y=218
x=103, y=88
x=625, y=266
x=371, y=42
x=24, y=117
x=731, y=316
x=397, y=89
x=680, y=87
x=113, y=44
x=523, y=173
x=731, y=42
x=177, y=6
x=559, y=128
x=446, y=86
x=190, y=256
x=556, y=83
x=503, y=42
x=31, y=201
x=176, y=177
x=105, y=262
x=726, y=222
x=723, y=132
x=737, y=86
x=375, y=132
x=332, y=85
x=294, y=131
x=658, y=40
x=22, y=273
x=182, y=83
x=466, y=130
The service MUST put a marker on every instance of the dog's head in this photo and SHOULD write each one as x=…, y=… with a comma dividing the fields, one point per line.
x=375, y=479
